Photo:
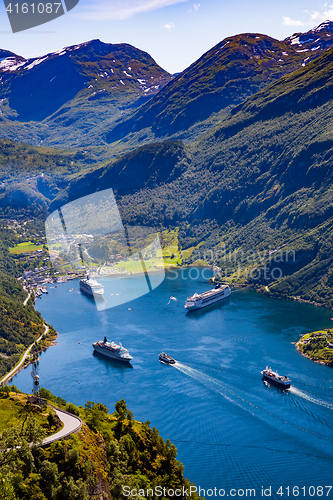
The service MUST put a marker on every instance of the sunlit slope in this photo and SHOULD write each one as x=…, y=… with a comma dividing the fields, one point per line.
x=226, y=75
x=60, y=97
x=262, y=178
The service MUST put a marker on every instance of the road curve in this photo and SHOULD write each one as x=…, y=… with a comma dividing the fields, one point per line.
x=26, y=300
x=72, y=423
x=16, y=368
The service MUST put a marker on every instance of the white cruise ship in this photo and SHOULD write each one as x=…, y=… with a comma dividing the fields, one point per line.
x=197, y=301
x=112, y=350
x=91, y=286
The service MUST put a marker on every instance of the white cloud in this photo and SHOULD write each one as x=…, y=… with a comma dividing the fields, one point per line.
x=324, y=15
x=120, y=9
x=315, y=16
x=196, y=7
x=287, y=21
x=328, y=14
x=169, y=26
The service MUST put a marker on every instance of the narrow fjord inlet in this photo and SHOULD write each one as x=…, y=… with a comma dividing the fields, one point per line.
x=230, y=427
x=166, y=250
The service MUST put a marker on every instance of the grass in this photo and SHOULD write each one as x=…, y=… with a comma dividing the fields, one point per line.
x=170, y=254
x=315, y=346
x=14, y=408
x=26, y=246
x=135, y=266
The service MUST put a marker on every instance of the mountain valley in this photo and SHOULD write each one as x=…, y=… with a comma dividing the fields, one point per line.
x=256, y=180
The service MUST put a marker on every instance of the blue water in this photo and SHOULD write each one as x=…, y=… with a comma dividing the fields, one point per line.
x=230, y=428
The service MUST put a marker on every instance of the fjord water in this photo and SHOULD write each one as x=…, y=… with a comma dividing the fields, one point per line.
x=232, y=430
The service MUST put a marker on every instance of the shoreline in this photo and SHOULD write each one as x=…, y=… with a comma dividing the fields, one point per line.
x=21, y=365
x=309, y=357
x=312, y=339
x=267, y=293
x=9, y=376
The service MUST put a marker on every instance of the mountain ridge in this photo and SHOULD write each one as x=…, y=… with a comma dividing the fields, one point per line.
x=59, y=97
x=239, y=65
x=262, y=179
x=107, y=120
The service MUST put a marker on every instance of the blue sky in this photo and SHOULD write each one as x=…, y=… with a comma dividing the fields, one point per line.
x=174, y=32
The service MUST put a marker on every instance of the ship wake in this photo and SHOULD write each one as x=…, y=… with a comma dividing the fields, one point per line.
x=308, y=397
x=255, y=406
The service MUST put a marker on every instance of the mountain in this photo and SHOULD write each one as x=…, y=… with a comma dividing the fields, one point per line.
x=64, y=94
x=317, y=39
x=259, y=182
x=225, y=76
x=30, y=177
x=112, y=98
x=4, y=54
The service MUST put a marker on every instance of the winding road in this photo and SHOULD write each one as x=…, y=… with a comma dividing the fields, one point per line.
x=9, y=375
x=72, y=423
x=26, y=300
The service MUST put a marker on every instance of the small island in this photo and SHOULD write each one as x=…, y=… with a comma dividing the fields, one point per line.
x=317, y=346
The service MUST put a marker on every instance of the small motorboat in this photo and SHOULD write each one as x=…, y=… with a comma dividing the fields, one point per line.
x=165, y=358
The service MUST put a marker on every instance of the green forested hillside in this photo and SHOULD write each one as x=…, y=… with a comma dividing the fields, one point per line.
x=147, y=166
x=226, y=75
x=261, y=181
x=19, y=325
x=31, y=176
x=109, y=453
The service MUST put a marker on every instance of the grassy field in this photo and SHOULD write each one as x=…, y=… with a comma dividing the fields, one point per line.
x=135, y=266
x=170, y=255
x=316, y=346
x=26, y=246
x=14, y=409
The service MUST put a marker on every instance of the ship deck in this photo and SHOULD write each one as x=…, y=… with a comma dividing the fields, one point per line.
x=209, y=293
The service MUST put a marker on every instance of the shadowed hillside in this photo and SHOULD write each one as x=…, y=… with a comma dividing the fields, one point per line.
x=262, y=179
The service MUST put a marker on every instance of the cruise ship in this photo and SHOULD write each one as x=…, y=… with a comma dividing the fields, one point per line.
x=91, y=286
x=197, y=301
x=281, y=381
x=112, y=350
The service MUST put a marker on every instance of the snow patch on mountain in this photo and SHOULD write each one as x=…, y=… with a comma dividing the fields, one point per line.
x=295, y=40
x=10, y=64
x=326, y=25
x=36, y=62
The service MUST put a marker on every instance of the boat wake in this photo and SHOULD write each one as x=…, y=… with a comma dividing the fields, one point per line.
x=308, y=397
x=218, y=385
x=209, y=382
x=254, y=407
x=172, y=299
